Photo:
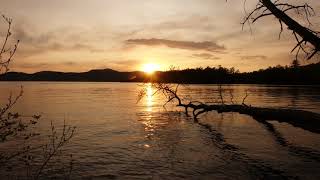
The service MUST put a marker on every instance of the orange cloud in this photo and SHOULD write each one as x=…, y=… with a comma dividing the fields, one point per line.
x=187, y=45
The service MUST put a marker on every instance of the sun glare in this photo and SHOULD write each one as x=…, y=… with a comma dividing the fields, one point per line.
x=150, y=68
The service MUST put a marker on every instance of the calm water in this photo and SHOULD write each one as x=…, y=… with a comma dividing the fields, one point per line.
x=119, y=138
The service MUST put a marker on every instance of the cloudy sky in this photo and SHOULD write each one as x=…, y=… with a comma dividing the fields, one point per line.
x=79, y=35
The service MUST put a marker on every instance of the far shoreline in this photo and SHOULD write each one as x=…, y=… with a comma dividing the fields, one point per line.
x=206, y=84
x=279, y=75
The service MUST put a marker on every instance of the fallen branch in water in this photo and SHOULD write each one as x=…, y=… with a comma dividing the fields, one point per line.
x=299, y=118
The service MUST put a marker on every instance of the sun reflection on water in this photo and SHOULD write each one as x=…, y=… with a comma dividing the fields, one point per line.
x=149, y=97
x=147, y=116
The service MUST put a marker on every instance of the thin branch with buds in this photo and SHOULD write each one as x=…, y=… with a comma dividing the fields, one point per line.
x=14, y=126
x=6, y=54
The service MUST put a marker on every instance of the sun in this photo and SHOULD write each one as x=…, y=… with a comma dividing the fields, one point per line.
x=150, y=68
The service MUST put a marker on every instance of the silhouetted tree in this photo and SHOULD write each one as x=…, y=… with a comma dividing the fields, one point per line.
x=308, y=40
x=14, y=127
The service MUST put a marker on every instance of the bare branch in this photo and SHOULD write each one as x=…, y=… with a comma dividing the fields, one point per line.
x=6, y=54
x=245, y=97
x=279, y=9
x=53, y=147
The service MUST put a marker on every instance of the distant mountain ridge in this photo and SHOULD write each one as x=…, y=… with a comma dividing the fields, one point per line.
x=309, y=74
x=108, y=75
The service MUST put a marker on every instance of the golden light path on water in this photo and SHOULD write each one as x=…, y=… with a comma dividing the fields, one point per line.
x=149, y=97
x=148, y=120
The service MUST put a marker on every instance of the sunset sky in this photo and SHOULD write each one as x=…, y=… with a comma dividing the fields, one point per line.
x=79, y=35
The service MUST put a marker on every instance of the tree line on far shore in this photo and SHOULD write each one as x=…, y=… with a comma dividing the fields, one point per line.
x=293, y=74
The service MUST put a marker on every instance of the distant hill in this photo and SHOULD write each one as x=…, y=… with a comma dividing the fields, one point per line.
x=99, y=75
x=309, y=74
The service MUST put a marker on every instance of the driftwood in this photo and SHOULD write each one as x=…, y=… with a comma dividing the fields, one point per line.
x=299, y=118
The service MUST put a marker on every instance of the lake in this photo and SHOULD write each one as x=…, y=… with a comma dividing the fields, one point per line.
x=116, y=137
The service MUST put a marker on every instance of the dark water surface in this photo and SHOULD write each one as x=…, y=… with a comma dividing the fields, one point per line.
x=119, y=138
